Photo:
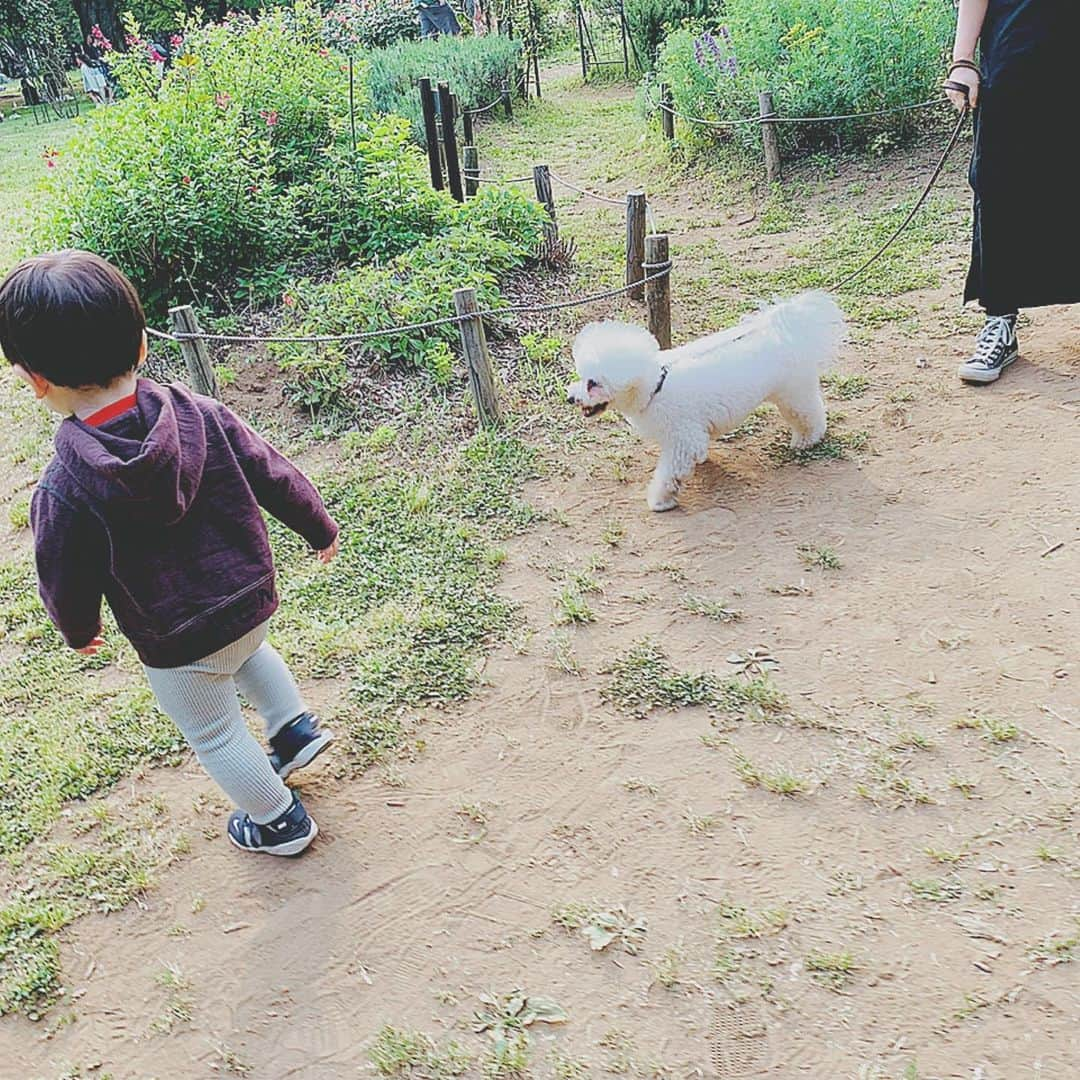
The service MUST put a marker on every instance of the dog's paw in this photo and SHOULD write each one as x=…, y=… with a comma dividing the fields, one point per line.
x=804, y=442
x=659, y=503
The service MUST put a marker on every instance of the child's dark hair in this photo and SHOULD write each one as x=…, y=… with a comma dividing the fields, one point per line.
x=72, y=318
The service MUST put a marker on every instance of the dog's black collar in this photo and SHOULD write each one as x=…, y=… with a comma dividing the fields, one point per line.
x=659, y=386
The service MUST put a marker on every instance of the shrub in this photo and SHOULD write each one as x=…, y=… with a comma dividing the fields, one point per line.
x=369, y=24
x=650, y=21
x=475, y=68
x=485, y=239
x=819, y=57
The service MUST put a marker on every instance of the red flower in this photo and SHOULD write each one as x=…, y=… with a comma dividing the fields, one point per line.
x=185, y=180
x=324, y=52
x=288, y=300
x=271, y=117
x=176, y=41
x=253, y=189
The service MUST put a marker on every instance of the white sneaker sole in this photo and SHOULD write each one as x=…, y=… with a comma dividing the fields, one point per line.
x=308, y=754
x=292, y=847
x=982, y=376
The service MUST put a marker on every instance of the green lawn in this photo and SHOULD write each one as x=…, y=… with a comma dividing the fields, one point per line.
x=22, y=164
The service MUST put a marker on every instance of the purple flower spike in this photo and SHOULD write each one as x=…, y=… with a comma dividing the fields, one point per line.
x=725, y=34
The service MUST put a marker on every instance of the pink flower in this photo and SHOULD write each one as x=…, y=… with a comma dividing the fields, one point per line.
x=288, y=300
x=50, y=157
x=222, y=100
x=271, y=117
x=176, y=41
x=185, y=180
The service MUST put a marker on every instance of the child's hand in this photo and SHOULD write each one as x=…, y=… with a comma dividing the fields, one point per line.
x=93, y=648
x=327, y=554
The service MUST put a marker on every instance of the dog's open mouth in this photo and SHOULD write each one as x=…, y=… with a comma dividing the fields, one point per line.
x=593, y=410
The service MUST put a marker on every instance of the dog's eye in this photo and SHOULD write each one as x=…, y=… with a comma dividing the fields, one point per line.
x=591, y=384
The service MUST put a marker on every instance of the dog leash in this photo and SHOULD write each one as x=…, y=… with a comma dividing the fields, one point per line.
x=934, y=177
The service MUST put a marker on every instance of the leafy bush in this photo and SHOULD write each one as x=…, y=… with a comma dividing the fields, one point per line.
x=369, y=24
x=819, y=57
x=475, y=68
x=486, y=238
x=650, y=20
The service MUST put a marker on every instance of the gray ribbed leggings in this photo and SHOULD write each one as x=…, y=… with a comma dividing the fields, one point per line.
x=201, y=699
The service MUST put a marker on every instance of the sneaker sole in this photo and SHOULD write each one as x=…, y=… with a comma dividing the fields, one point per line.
x=982, y=377
x=308, y=754
x=288, y=849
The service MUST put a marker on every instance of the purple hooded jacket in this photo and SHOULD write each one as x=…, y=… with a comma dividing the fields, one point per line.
x=157, y=512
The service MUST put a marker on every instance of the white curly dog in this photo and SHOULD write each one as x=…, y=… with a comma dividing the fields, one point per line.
x=680, y=399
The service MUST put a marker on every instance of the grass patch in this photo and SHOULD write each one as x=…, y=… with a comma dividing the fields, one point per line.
x=819, y=555
x=643, y=679
x=778, y=781
x=845, y=387
x=887, y=783
x=835, y=446
x=937, y=890
x=833, y=970
x=711, y=609
x=397, y=1052
x=992, y=729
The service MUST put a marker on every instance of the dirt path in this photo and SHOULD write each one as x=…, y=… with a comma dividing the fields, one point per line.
x=910, y=913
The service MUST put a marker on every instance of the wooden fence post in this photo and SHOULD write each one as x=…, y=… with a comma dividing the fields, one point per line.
x=466, y=125
x=472, y=170
x=534, y=23
x=200, y=371
x=667, y=115
x=658, y=291
x=450, y=152
x=544, y=196
x=508, y=104
x=477, y=358
x=635, y=241
x=769, y=138
x=431, y=133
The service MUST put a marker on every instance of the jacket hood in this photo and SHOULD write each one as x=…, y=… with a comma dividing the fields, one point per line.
x=149, y=467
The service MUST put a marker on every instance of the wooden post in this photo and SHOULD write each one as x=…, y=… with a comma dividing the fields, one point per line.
x=508, y=104
x=667, y=114
x=581, y=43
x=635, y=241
x=477, y=358
x=200, y=371
x=453, y=166
x=431, y=133
x=534, y=19
x=544, y=196
x=467, y=128
x=472, y=171
x=658, y=292
x=769, y=139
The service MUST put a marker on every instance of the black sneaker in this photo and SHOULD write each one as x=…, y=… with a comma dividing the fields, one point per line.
x=298, y=744
x=995, y=349
x=287, y=835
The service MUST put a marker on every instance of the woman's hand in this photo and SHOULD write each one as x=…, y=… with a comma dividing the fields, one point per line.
x=327, y=554
x=970, y=79
x=95, y=646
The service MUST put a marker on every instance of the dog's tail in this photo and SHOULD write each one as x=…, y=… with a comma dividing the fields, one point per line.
x=814, y=323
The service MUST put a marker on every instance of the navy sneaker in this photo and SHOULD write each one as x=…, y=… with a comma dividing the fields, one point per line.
x=995, y=349
x=286, y=835
x=298, y=744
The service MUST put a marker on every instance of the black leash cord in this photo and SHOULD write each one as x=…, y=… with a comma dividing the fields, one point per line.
x=957, y=131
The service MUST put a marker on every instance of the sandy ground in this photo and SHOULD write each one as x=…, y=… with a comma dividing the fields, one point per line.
x=956, y=607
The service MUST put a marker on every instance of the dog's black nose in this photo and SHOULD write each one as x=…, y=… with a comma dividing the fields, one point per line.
x=569, y=399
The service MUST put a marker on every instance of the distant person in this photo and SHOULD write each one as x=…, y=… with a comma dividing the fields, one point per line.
x=93, y=78
x=436, y=18
x=90, y=55
x=152, y=503
x=1027, y=220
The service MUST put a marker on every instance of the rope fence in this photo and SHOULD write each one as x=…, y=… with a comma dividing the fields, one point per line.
x=469, y=318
